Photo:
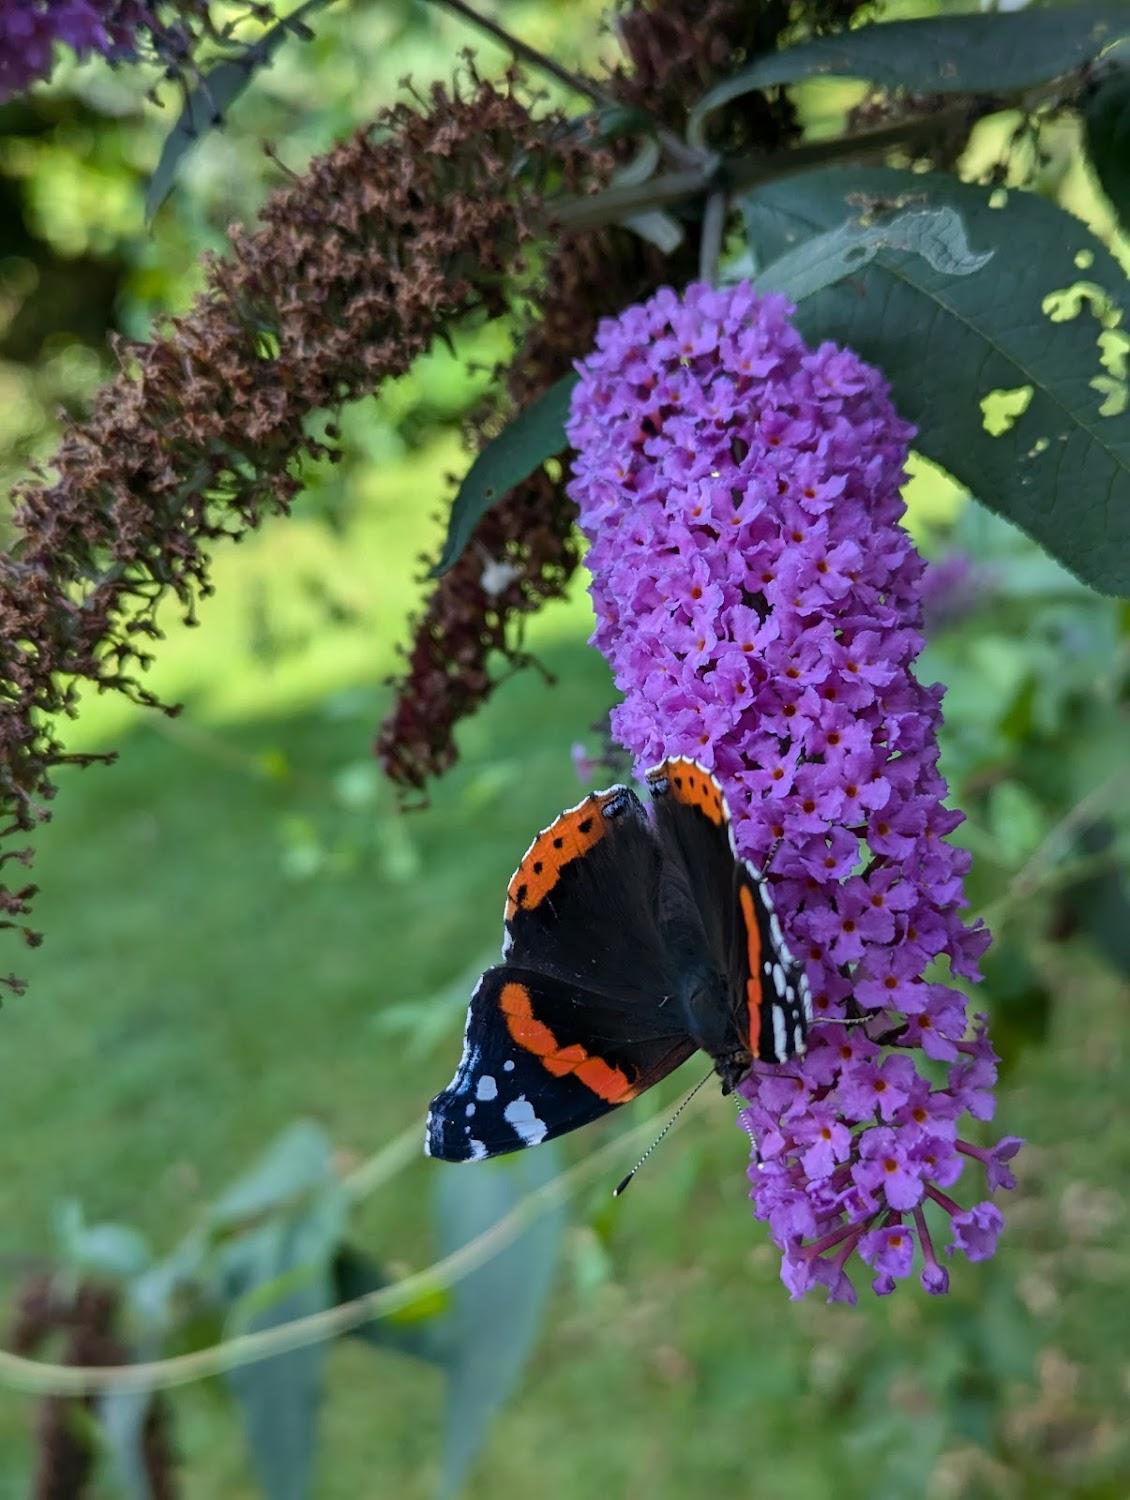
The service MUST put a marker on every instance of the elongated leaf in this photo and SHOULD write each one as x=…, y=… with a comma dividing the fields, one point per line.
x=276, y=1231
x=206, y=104
x=122, y=1416
x=1037, y=323
x=537, y=433
x=497, y=1309
x=942, y=54
x=1107, y=120
x=295, y=1163
x=937, y=234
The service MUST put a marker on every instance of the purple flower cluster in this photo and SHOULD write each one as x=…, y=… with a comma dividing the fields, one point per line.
x=760, y=606
x=30, y=29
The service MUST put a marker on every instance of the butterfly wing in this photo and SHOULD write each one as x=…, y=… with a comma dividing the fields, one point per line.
x=542, y=1056
x=768, y=988
x=582, y=906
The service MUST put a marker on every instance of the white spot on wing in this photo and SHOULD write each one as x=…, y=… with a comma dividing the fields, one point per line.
x=778, y=979
x=780, y=1035
x=508, y=1066
x=470, y=1110
x=475, y=1150
x=487, y=1088
x=519, y=1114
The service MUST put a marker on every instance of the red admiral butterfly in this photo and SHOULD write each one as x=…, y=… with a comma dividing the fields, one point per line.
x=627, y=947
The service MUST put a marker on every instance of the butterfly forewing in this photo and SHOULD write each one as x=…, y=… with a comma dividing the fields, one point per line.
x=582, y=904
x=768, y=989
x=769, y=985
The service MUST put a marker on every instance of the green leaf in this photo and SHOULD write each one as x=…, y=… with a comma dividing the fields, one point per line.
x=1107, y=123
x=274, y=1236
x=535, y=434
x=271, y=1275
x=121, y=1419
x=1101, y=903
x=297, y=1162
x=1040, y=319
x=937, y=234
x=497, y=1309
x=942, y=54
x=206, y=104
x=418, y=1329
x=113, y=1250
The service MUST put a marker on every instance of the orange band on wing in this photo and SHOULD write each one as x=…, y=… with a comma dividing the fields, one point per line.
x=573, y=834
x=605, y=1081
x=694, y=787
x=753, y=960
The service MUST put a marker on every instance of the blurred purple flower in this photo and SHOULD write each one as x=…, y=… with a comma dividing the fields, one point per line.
x=761, y=608
x=29, y=30
x=952, y=587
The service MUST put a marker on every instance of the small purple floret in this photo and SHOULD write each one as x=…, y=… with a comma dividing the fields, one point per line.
x=761, y=607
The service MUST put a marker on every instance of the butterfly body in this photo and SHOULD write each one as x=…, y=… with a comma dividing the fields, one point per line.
x=628, y=946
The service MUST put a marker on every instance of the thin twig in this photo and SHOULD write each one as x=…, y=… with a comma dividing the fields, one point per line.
x=1106, y=794
x=43, y=1379
x=528, y=54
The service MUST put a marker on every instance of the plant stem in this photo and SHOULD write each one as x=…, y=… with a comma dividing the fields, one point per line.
x=710, y=239
x=593, y=211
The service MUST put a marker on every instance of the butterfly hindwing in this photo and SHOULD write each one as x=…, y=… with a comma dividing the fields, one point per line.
x=768, y=988
x=582, y=904
x=542, y=1056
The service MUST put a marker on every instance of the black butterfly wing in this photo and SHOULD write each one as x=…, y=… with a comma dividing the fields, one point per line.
x=582, y=906
x=768, y=990
x=765, y=976
x=542, y=1056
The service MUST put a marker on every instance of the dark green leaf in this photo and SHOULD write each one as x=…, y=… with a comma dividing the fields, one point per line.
x=497, y=1308
x=1035, y=328
x=1100, y=905
x=417, y=1331
x=537, y=433
x=991, y=54
x=937, y=234
x=207, y=103
x=1107, y=120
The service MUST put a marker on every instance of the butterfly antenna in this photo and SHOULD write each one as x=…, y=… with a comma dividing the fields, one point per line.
x=623, y=1185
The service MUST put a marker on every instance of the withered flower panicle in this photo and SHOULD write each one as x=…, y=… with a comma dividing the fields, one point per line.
x=87, y=1317
x=351, y=272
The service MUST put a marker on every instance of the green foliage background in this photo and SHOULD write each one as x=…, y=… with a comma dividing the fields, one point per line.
x=243, y=929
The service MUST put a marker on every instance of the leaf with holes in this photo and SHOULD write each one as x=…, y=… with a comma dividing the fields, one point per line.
x=937, y=234
x=992, y=54
x=496, y=1310
x=1037, y=331
x=217, y=90
x=1107, y=121
x=535, y=434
